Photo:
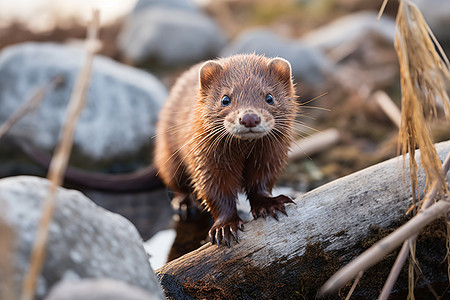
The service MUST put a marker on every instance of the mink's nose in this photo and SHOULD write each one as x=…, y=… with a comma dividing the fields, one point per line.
x=250, y=120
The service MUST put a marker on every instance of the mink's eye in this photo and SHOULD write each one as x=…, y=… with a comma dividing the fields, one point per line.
x=269, y=99
x=226, y=100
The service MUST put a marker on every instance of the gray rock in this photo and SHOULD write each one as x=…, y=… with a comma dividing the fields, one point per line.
x=308, y=64
x=97, y=289
x=120, y=113
x=437, y=15
x=350, y=28
x=178, y=4
x=169, y=36
x=85, y=240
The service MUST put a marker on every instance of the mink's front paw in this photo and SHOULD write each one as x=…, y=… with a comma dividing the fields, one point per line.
x=223, y=230
x=264, y=205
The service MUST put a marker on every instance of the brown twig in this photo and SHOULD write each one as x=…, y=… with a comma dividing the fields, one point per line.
x=59, y=162
x=30, y=105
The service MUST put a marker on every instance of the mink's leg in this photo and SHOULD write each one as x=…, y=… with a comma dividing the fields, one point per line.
x=227, y=222
x=262, y=170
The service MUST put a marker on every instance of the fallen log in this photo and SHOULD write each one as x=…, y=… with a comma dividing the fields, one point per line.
x=327, y=228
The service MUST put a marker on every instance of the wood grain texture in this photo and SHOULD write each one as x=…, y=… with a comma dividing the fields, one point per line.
x=328, y=227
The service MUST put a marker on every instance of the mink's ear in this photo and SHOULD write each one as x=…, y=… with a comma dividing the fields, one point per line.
x=281, y=68
x=209, y=72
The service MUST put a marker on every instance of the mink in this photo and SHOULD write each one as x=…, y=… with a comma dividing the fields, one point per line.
x=227, y=127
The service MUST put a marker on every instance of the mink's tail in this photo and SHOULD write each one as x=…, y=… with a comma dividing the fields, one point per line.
x=143, y=180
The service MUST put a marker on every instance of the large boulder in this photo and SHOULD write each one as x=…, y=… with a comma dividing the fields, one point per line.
x=85, y=240
x=308, y=64
x=171, y=34
x=121, y=110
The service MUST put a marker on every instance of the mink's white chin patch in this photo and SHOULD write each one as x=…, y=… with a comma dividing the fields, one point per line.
x=249, y=135
x=245, y=133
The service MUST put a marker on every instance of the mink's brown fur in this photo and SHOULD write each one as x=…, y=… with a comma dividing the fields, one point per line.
x=197, y=154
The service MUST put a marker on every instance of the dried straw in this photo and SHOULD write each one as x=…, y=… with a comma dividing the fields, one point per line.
x=424, y=75
x=59, y=162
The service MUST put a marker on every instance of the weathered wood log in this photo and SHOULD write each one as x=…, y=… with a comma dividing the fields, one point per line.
x=327, y=228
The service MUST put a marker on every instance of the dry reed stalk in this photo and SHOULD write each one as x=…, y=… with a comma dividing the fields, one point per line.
x=7, y=288
x=424, y=75
x=59, y=161
x=30, y=105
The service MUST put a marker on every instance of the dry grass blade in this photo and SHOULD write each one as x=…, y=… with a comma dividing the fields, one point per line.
x=59, y=162
x=424, y=76
x=29, y=105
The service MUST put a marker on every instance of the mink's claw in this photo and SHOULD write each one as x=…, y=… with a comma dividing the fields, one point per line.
x=263, y=205
x=218, y=237
x=283, y=211
x=224, y=232
x=226, y=237
x=234, y=233
x=273, y=213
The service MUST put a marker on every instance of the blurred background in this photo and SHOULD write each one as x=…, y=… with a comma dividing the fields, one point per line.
x=343, y=59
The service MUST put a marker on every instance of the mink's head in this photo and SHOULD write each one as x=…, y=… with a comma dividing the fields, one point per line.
x=248, y=96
